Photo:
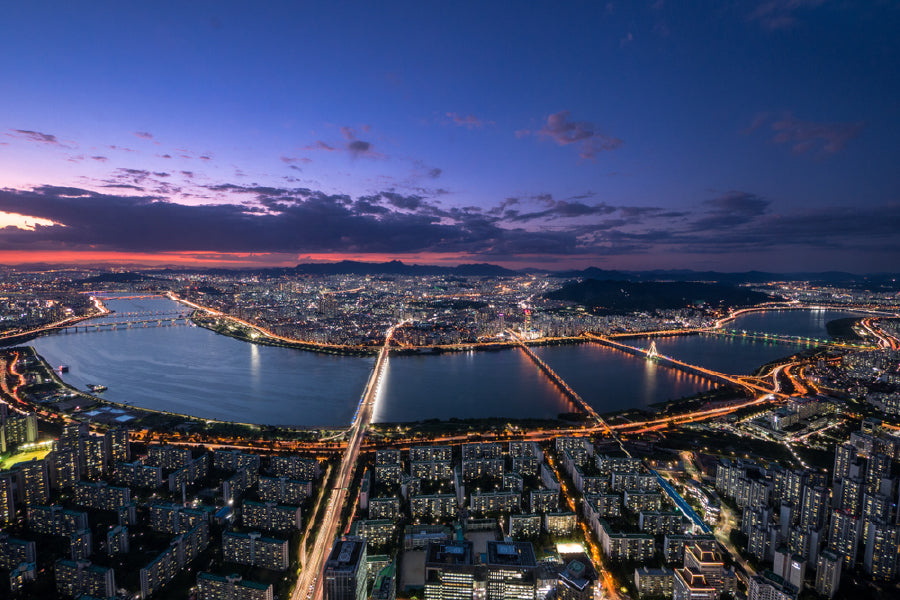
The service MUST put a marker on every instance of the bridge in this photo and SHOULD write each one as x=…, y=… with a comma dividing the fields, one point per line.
x=310, y=579
x=170, y=321
x=113, y=296
x=146, y=313
x=689, y=368
x=784, y=339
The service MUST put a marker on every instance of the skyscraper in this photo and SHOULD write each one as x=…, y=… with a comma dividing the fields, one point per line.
x=828, y=573
x=345, y=570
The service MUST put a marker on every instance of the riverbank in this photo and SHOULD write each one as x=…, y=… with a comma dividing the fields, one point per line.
x=246, y=334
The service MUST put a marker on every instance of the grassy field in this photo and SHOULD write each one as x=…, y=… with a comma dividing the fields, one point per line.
x=13, y=459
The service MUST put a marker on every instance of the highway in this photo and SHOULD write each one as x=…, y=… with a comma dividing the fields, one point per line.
x=885, y=340
x=309, y=583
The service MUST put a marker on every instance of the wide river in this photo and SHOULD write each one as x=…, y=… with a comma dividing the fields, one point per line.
x=191, y=370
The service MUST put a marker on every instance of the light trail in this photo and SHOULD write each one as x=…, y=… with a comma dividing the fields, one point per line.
x=310, y=580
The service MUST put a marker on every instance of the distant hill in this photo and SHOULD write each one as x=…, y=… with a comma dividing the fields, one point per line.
x=623, y=296
x=396, y=267
x=825, y=277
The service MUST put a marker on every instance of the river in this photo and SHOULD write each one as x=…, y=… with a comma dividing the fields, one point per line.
x=191, y=370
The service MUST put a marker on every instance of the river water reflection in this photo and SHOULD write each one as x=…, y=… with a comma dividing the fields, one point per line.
x=194, y=371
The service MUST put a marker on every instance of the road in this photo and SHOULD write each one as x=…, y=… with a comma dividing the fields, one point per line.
x=885, y=340
x=309, y=583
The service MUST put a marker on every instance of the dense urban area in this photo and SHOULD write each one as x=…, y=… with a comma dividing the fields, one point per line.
x=777, y=486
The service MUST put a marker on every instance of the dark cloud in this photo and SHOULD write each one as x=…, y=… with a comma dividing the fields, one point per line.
x=292, y=221
x=563, y=209
x=564, y=132
x=35, y=136
x=262, y=218
x=359, y=148
x=412, y=202
x=99, y=158
x=468, y=121
x=435, y=172
x=144, y=135
x=728, y=210
x=165, y=156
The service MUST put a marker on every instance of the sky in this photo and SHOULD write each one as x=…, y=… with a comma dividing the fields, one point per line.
x=625, y=135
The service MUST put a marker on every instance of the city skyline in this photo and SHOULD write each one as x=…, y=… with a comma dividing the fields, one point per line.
x=614, y=135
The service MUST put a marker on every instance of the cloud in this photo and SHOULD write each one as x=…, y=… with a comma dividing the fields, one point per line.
x=468, y=121
x=99, y=158
x=320, y=145
x=805, y=136
x=35, y=136
x=730, y=209
x=583, y=133
x=290, y=160
x=780, y=14
x=281, y=220
x=359, y=148
x=144, y=135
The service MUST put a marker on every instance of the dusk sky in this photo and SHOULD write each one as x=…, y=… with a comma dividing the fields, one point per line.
x=632, y=135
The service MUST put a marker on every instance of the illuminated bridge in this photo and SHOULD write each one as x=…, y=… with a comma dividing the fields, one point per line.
x=694, y=369
x=783, y=339
x=106, y=325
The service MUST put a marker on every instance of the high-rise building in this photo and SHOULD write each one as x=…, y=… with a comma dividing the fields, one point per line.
x=7, y=497
x=878, y=467
x=93, y=453
x=168, y=457
x=844, y=457
x=828, y=573
x=699, y=559
x=510, y=570
x=33, y=482
x=21, y=429
x=875, y=508
x=76, y=578
x=117, y=541
x=843, y=535
x=14, y=551
x=270, y=516
x=769, y=586
x=814, y=506
x=578, y=580
x=450, y=570
x=118, y=445
x=255, y=550
x=849, y=494
x=345, y=570
x=791, y=567
x=56, y=520
x=80, y=544
x=231, y=587
x=689, y=584
x=65, y=467
x=882, y=551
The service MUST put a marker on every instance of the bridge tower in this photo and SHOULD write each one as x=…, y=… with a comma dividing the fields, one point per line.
x=652, y=353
